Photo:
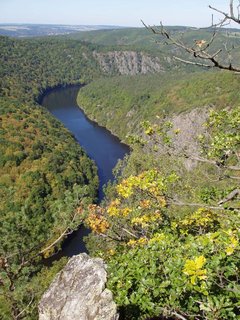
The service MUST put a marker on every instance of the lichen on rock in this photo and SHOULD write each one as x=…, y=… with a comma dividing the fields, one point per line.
x=78, y=292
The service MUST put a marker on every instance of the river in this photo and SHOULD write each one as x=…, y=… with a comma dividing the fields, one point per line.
x=99, y=144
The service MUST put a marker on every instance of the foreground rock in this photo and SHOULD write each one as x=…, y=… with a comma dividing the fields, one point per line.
x=78, y=293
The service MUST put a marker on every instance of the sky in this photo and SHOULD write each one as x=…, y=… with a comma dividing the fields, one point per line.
x=110, y=12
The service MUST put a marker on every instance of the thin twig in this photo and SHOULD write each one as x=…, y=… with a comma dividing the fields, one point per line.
x=17, y=317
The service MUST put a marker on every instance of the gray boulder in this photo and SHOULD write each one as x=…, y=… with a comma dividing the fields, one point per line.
x=78, y=293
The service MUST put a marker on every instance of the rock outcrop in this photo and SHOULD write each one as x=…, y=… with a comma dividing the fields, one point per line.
x=78, y=293
x=190, y=125
x=128, y=62
x=186, y=128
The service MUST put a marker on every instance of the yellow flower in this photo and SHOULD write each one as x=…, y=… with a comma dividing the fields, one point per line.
x=177, y=131
x=162, y=201
x=111, y=252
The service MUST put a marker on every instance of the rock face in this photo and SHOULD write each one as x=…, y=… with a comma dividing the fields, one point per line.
x=189, y=125
x=128, y=62
x=78, y=293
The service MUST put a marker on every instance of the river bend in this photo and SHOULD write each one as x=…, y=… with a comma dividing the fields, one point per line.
x=99, y=144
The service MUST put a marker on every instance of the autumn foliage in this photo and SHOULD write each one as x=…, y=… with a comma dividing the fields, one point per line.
x=175, y=258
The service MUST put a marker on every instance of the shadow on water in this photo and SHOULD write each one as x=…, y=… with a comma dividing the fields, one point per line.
x=100, y=145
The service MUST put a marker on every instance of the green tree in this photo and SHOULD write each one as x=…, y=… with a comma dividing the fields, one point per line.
x=173, y=257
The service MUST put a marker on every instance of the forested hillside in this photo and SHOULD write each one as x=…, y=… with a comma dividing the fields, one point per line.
x=45, y=175
x=123, y=103
x=168, y=231
x=30, y=66
x=146, y=40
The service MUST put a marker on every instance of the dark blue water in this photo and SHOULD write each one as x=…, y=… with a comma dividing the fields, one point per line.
x=100, y=145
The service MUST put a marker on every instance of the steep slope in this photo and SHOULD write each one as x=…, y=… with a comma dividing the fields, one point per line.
x=122, y=103
x=143, y=39
x=45, y=176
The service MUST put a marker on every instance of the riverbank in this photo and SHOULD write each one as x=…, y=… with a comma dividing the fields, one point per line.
x=99, y=144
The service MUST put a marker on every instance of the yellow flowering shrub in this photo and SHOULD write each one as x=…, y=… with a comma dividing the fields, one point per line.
x=137, y=210
x=151, y=181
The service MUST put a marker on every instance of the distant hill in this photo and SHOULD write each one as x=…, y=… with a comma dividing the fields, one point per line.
x=142, y=39
x=33, y=30
x=123, y=37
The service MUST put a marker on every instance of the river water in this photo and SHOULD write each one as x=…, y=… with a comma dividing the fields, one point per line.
x=100, y=145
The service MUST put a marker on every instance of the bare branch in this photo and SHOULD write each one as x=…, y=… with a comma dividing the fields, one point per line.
x=228, y=16
x=200, y=48
x=130, y=233
x=193, y=63
x=217, y=164
x=197, y=52
x=65, y=232
x=231, y=195
x=20, y=313
x=233, y=177
x=231, y=8
x=187, y=204
x=178, y=316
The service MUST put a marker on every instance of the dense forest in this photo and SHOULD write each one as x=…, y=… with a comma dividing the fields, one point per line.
x=28, y=67
x=45, y=175
x=128, y=101
x=170, y=234
x=141, y=39
x=168, y=231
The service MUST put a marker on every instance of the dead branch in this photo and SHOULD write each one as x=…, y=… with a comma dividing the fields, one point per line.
x=197, y=51
x=24, y=310
x=63, y=234
x=130, y=233
x=213, y=162
x=178, y=316
x=233, y=177
x=228, y=16
x=200, y=49
x=188, y=204
x=230, y=197
x=193, y=63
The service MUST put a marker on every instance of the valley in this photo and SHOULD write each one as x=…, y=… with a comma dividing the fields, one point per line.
x=167, y=220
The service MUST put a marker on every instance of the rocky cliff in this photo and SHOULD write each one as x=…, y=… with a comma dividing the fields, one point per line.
x=128, y=62
x=78, y=293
